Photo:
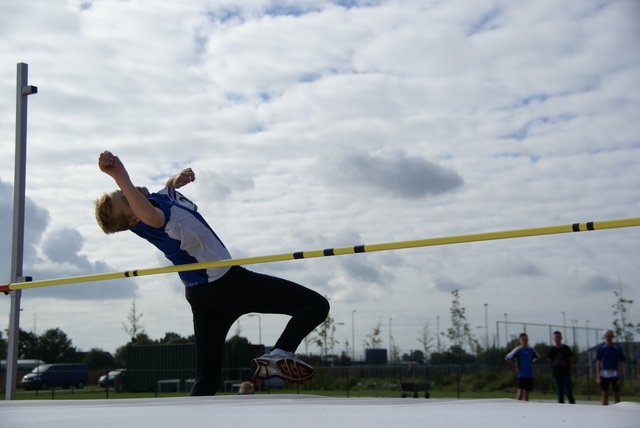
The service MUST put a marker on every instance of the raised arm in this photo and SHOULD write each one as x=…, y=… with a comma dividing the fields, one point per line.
x=142, y=209
x=180, y=179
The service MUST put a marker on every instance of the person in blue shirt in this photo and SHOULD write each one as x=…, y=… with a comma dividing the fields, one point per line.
x=525, y=357
x=609, y=367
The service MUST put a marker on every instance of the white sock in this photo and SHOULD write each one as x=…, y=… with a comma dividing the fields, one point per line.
x=277, y=351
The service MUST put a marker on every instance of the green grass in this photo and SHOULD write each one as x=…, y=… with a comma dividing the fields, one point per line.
x=94, y=393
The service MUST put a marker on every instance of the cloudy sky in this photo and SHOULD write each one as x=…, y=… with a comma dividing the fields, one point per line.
x=315, y=123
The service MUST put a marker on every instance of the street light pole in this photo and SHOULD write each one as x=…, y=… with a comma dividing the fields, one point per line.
x=506, y=330
x=259, y=326
x=390, y=338
x=333, y=342
x=353, y=335
x=486, y=325
x=438, y=332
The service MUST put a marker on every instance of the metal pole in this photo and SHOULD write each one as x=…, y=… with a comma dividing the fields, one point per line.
x=353, y=336
x=486, y=327
x=506, y=332
x=259, y=326
x=438, y=332
x=23, y=90
x=390, y=338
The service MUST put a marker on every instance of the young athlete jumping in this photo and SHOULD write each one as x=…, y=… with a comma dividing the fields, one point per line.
x=219, y=296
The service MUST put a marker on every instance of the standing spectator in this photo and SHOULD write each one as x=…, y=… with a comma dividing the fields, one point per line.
x=609, y=366
x=525, y=357
x=560, y=359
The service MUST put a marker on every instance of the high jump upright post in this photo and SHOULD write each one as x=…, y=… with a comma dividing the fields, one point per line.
x=23, y=90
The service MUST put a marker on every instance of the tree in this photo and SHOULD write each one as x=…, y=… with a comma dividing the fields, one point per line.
x=347, y=351
x=306, y=342
x=171, y=338
x=324, y=338
x=415, y=356
x=143, y=339
x=120, y=356
x=374, y=340
x=426, y=340
x=394, y=352
x=3, y=345
x=460, y=332
x=237, y=340
x=55, y=347
x=28, y=345
x=133, y=328
x=622, y=327
x=98, y=359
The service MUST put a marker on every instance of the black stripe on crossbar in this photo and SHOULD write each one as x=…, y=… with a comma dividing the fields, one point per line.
x=358, y=249
x=576, y=226
x=328, y=252
x=298, y=255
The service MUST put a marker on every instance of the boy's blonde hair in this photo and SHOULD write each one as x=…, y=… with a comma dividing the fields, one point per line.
x=246, y=384
x=105, y=217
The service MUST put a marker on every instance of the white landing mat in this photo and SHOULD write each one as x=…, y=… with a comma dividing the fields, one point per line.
x=307, y=411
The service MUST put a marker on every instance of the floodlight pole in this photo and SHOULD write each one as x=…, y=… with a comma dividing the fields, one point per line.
x=23, y=90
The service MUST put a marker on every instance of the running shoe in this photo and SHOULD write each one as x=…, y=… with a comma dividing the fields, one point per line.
x=285, y=366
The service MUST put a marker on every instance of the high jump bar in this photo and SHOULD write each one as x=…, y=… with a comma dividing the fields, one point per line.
x=459, y=239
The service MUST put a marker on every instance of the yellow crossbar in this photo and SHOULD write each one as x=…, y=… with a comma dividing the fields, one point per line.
x=488, y=236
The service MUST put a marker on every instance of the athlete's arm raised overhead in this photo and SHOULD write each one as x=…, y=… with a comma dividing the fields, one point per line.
x=136, y=197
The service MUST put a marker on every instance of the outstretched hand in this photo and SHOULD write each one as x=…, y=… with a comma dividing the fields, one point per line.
x=182, y=178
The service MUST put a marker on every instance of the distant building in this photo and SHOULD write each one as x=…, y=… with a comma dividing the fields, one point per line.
x=375, y=356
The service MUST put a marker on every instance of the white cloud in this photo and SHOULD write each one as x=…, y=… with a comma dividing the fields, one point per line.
x=320, y=124
x=395, y=174
x=55, y=254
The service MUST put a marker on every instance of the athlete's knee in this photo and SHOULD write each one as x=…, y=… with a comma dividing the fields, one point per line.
x=326, y=306
x=321, y=307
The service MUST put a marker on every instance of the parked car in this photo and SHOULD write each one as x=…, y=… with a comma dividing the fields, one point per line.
x=57, y=375
x=114, y=376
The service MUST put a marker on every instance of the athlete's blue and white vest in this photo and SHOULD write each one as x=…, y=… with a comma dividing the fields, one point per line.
x=185, y=237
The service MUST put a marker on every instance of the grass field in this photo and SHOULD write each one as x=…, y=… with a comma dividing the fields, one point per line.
x=94, y=393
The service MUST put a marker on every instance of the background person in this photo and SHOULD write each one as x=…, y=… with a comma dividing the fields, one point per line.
x=525, y=357
x=246, y=388
x=609, y=367
x=560, y=358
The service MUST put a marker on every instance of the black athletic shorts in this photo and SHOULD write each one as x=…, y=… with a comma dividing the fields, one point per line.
x=525, y=383
x=606, y=381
